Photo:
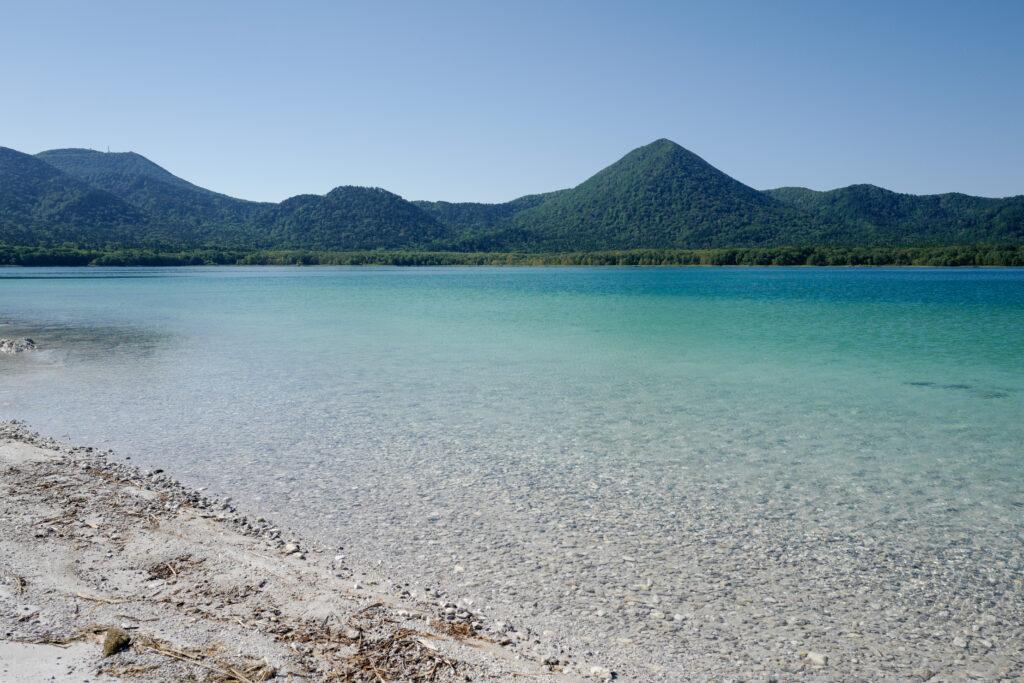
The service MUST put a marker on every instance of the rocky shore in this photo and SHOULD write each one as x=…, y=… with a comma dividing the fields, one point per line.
x=98, y=555
x=110, y=573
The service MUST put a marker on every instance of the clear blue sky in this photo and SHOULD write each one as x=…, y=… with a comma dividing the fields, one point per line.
x=488, y=101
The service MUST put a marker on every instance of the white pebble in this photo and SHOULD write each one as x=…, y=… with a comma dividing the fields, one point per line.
x=817, y=658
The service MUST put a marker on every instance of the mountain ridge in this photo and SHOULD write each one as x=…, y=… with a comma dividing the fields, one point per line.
x=40, y=204
x=659, y=196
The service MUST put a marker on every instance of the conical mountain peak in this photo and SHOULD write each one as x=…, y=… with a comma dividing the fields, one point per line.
x=667, y=154
x=661, y=194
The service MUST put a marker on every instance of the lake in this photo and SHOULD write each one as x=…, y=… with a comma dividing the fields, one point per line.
x=715, y=463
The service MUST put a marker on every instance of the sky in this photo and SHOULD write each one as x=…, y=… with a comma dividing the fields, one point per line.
x=491, y=100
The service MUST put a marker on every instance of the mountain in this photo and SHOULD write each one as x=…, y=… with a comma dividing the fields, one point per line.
x=659, y=196
x=192, y=213
x=874, y=215
x=114, y=168
x=664, y=196
x=352, y=218
x=39, y=205
x=347, y=218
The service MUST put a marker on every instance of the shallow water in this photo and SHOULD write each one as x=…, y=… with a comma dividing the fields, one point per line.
x=614, y=440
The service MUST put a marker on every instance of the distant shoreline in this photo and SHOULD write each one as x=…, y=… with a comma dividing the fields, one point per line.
x=977, y=255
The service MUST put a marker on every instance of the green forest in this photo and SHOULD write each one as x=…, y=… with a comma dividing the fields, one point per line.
x=659, y=205
x=971, y=255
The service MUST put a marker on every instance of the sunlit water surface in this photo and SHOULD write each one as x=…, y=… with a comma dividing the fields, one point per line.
x=442, y=416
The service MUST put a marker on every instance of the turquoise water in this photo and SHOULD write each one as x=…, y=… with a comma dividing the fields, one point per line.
x=903, y=369
x=537, y=408
x=616, y=364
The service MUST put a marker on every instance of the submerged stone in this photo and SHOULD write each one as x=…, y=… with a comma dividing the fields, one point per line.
x=16, y=345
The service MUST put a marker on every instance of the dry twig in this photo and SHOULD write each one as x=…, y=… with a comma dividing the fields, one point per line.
x=96, y=598
x=253, y=672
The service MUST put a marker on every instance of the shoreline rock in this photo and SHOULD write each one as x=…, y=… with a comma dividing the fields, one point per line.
x=12, y=346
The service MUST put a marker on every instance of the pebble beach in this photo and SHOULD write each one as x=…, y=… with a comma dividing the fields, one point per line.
x=110, y=573
x=746, y=594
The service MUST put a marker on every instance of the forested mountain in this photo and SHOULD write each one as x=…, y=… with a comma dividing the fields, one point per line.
x=191, y=213
x=94, y=199
x=659, y=196
x=663, y=196
x=471, y=218
x=874, y=215
x=40, y=205
x=353, y=218
x=113, y=169
x=347, y=218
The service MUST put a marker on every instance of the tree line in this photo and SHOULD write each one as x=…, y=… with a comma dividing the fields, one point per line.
x=962, y=255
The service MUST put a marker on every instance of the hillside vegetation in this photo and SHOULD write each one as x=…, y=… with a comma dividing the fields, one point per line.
x=39, y=205
x=660, y=196
x=874, y=215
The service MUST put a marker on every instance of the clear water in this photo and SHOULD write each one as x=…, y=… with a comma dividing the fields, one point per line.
x=450, y=414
